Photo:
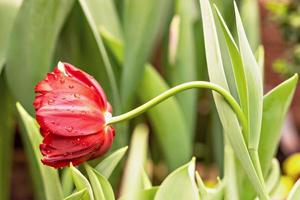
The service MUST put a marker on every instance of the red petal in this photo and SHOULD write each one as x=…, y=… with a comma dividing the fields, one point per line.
x=60, y=151
x=88, y=80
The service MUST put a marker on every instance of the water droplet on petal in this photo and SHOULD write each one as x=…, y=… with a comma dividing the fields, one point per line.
x=62, y=80
x=50, y=101
x=48, y=151
x=76, y=95
x=69, y=128
x=71, y=86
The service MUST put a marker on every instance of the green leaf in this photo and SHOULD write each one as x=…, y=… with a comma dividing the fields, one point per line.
x=107, y=166
x=273, y=176
x=251, y=20
x=132, y=180
x=163, y=117
x=227, y=116
x=46, y=180
x=145, y=180
x=31, y=45
x=295, y=192
x=8, y=12
x=101, y=187
x=142, y=22
x=276, y=104
x=6, y=139
x=237, y=64
x=254, y=85
x=147, y=194
x=231, y=189
x=82, y=183
x=180, y=184
x=184, y=67
x=67, y=181
x=77, y=195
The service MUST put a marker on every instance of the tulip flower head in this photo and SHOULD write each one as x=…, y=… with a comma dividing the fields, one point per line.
x=72, y=111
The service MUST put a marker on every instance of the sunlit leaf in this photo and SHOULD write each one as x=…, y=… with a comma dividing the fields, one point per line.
x=180, y=184
x=106, y=166
x=82, y=183
x=276, y=104
x=101, y=187
x=77, y=195
x=132, y=180
x=46, y=180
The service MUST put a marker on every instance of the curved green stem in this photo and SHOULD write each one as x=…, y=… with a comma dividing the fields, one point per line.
x=179, y=88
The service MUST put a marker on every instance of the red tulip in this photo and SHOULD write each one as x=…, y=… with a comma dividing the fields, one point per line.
x=71, y=109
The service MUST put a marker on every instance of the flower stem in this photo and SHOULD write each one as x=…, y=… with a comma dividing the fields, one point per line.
x=179, y=88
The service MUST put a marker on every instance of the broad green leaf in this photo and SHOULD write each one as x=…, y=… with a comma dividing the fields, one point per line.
x=154, y=84
x=101, y=187
x=184, y=67
x=260, y=57
x=107, y=166
x=8, y=12
x=254, y=85
x=67, y=181
x=77, y=195
x=295, y=192
x=31, y=45
x=276, y=104
x=82, y=183
x=227, y=116
x=46, y=180
x=6, y=138
x=237, y=64
x=147, y=194
x=273, y=176
x=163, y=117
x=251, y=19
x=132, y=180
x=180, y=184
x=142, y=22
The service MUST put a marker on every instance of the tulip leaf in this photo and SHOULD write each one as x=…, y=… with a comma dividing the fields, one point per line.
x=31, y=45
x=67, y=181
x=145, y=180
x=254, y=85
x=106, y=166
x=8, y=12
x=295, y=192
x=273, y=176
x=101, y=187
x=147, y=194
x=77, y=195
x=184, y=67
x=82, y=183
x=163, y=117
x=6, y=138
x=46, y=180
x=132, y=180
x=142, y=22
x=227, y=116
x=180, y=184
x=276, y=104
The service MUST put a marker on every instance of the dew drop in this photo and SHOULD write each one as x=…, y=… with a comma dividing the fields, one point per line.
x=76, y=95
x=69, y=128
x=50, y=101
x=62, y=80
x=71, y=86
x=48, y=151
